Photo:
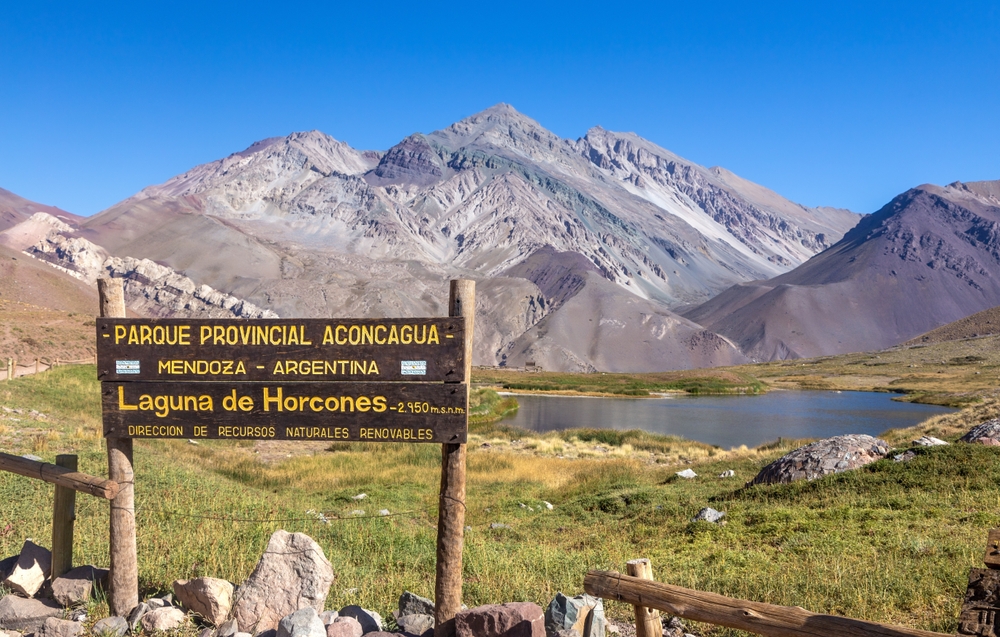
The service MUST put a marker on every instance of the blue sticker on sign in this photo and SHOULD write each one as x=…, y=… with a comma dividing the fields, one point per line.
x=126, y=367
x=413, y=368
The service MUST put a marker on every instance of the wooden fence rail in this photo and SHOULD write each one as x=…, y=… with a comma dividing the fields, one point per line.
x=60, y=476
x=755, y=617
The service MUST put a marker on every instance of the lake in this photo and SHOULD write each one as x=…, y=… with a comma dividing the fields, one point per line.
x=726, y=421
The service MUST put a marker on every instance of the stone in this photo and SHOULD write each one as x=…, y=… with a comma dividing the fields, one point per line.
x=987, y=433
x=207, y=632
x=416, y=623
x=370, y=620
x=906, y=456
x=673, y=627
x=499, y=525
x=7, y=566
x=708, y=514
x=328, y=616
x=516, y=619
x=54, y=627
x=31, y=570
x=209, y=597
x=823, y=457
x=113, y=626
x=155, y=602
x=687, y=473
x=413, y=604
x=136, y=615
x=728, y=473
x=242, y=635
x=345, y=627
x=929, y=441
x=165, y=618
x=26, y=615
x=76, y=585
x=566, y=632
x=582, y=613
x=227, y=629
x=292, y=574
x=304, y=622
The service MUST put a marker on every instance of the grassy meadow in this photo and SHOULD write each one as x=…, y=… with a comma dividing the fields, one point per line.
x=892, y=542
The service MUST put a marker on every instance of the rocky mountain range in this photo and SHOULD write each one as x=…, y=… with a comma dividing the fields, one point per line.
x=929, y=257
x=583, y=249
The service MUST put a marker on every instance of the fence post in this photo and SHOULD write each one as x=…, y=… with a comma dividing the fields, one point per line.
x=647, y=620
x=36, y=366
x=63, y=518
x=124, y=576
x=451, y=502
x=10, y=368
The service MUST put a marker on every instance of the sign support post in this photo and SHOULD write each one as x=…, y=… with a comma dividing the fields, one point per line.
x=451, y=503
x=124, y=576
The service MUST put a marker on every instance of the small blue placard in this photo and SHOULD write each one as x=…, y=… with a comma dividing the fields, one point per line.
x=413, y=368
x=126, y=367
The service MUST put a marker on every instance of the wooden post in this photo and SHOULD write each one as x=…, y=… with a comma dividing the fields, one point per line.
x=124, y=577
x=59, y=476
x=647, y=620
x=754, y=617
x=451, y=502
x=63, y=517
x=10, y=368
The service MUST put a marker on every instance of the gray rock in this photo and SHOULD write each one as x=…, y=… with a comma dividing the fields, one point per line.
x=328, y=616
x=163, y=618
x=54, y=627
x=136, y=615
x=76, y=585
x=31, y=570
x=499, y=525
x=209, y=597
x=304, y=622
x=582, y=613
x=728, y=473
x=416, y=623
x=906, y=456
x=26, y=615
x=155, y=602
x=292, y=574
x=227, y=629
x=517, y=619
x=687, y=473
x=207, y=632
x=987, y=433
x=566, y=632
x=929, y=441
x=370, y=620
x=345, y=627
x=823, y=457
x=413, y=604
x=708, y=514
x=242, y=635
x=113, y=626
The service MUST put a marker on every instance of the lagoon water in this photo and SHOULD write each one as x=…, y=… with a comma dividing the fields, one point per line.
x=727, y=421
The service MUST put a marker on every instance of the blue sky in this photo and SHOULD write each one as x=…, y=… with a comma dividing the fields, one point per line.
x=841, y=103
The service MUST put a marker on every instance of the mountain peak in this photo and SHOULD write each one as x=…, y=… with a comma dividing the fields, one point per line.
x=500, y=125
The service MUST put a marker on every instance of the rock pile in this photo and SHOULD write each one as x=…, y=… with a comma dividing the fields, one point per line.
x=987, y=433
x=823, y=457
x=283, y=597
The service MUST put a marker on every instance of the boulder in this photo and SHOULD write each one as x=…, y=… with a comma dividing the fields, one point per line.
x=987, y=433
x=370, y=620
x=110, y=627
x=164, y=618
x=345, y=627
x=227, y=629
x=687, y=473
x=416, y=624
x=582, y=613
x=413, y=604
x=206, y=632
x=304, y=622
x=328, y=616
x=31, y=570
x=7, y=566
x=76, y=585
x=823, y=457
x=708, y=514
x=517, y=619
x=54, y=627
x=26, y=615
x=292, y=574
x=209, y=597
x=929, y=441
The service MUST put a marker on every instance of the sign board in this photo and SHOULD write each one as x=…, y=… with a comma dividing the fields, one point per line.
x=427, y=349
x=378, y=380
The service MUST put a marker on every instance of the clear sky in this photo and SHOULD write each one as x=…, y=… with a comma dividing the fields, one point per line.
x=829, y=103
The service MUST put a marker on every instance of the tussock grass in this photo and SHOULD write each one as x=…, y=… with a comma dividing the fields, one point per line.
x=892, y=542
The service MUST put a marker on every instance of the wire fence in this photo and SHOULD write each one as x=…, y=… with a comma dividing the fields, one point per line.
x=13, y=368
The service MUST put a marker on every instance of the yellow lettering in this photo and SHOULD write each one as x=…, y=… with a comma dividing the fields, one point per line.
x=119, y=333
x=184, y=335
x=377, y=328
x=206, y=333
x=328, y=336
x=432, y=338
x=268, y=400
x=121, y=401
x=378, y=404
x=393, y=336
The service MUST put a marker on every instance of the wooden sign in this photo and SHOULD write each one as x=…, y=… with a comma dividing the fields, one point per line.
x=367, y=412
x=424, y=349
